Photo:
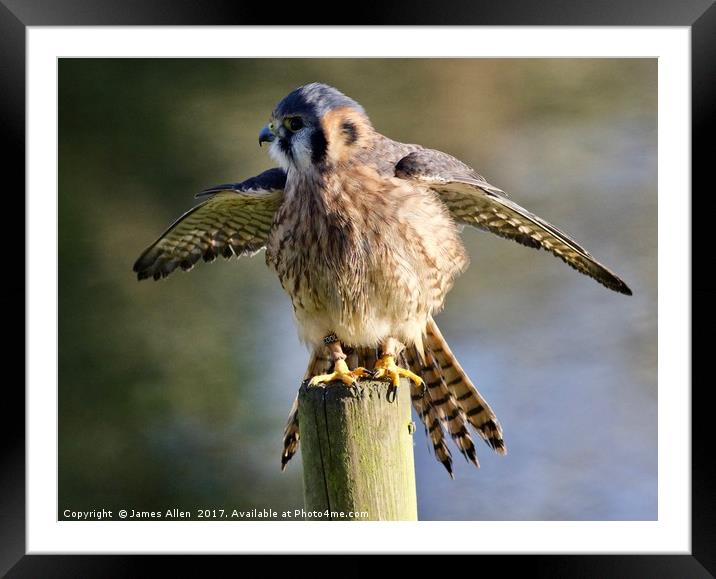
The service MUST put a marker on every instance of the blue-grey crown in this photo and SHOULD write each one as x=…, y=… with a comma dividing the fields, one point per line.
x=314, y=99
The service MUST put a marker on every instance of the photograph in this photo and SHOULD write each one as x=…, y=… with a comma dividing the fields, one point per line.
x=310, y=289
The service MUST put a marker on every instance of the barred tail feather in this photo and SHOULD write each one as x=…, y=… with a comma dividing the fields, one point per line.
x=320, y=363
x=444, y=400
x=444, y=411
x=473, y=405
x=433, y=427
x=290, y=435
x=428, y=414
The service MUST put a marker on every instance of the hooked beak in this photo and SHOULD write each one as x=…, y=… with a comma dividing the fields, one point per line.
x=266, y=135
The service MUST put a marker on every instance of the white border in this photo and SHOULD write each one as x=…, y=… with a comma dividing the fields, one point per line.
x=670, y=534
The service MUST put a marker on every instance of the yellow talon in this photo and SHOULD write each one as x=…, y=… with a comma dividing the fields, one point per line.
x=387, y=368
x=341, y=373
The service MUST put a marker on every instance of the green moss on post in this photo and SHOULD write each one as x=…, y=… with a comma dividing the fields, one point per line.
x=357, y=451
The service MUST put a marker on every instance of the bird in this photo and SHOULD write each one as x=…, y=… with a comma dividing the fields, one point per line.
x=364, y=234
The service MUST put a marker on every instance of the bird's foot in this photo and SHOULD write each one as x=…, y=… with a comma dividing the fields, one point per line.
x=341, y=373
x=386, y=367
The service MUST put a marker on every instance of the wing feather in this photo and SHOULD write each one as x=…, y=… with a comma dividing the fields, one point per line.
x=471, y=200
x=235, y=220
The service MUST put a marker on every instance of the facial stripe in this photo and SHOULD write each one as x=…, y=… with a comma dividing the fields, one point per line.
x=319, y=146
x=285, y=146
x=350, y=132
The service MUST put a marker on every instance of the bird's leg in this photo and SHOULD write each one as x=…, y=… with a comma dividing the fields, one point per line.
x=340, y=368
x=386, y=367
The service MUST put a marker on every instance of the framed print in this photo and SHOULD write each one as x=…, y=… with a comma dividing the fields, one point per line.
x=154, y=411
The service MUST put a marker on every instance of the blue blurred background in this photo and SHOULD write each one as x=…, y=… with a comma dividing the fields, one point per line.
x=171, y=394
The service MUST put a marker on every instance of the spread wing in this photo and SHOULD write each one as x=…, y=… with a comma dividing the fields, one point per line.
x=473, y=201
x=235, y=220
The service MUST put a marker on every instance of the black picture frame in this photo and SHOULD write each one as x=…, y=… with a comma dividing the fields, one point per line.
x=699, y=15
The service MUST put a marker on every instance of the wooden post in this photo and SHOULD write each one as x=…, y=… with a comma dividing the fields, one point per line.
x=357, y=451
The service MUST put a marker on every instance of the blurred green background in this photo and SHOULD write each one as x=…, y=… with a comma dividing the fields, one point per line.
x=175, y=394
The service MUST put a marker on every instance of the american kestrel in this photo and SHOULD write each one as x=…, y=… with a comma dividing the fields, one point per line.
x=363, y=233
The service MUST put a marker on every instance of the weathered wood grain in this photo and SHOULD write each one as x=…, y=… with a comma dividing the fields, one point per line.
x=357, y=451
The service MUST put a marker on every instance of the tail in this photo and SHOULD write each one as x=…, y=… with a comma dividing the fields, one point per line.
x=320, y=363
x=290, y=435
x=461, y=389
x=450, y=401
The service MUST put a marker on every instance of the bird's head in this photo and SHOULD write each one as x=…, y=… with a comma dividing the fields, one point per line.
x=315, y=126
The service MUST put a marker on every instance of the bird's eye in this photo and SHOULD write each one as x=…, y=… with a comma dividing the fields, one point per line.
x=293, y=123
